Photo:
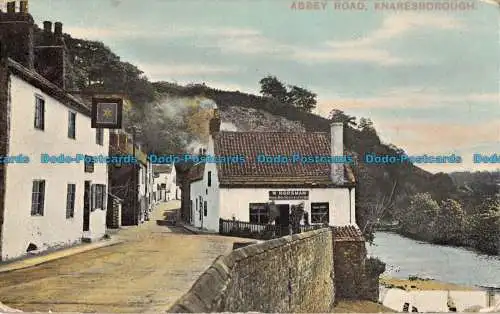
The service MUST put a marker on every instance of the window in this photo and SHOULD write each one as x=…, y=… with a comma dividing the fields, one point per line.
x=39, y=113
x=205, y=209
x=70, y=201
x=37, y=197
x=163, y=185
x=98, y=196
x=210, y=178
x=71, y=124
x=259, y=213
x=99, y=136
x=320, y=213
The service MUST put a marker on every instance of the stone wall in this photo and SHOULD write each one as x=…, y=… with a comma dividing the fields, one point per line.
x=356, y=276
x=289, y=274
x=349, y=268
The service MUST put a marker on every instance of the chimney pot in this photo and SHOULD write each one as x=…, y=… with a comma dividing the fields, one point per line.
x=11, y=7
x=23, y=6
x=47, y=26
x=58, y=28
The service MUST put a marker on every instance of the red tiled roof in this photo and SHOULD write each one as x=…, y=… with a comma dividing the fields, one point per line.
x=252, y=144
x=347, y=233
x=196, y=172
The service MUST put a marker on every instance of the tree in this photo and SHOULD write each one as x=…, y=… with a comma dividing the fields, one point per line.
x=270, y=86
x=302, y=98
x=450, y=222
x=419, y=217
x=485, y=226
x=365, y=124
x=339, y=116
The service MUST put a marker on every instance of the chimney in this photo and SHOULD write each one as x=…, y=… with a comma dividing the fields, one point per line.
x=337, y=149
x=16, y=31
x=11, y=7
x=47, y=26
x=58, y=30
x=50, y=59
x=23, y=7
x=215, y=122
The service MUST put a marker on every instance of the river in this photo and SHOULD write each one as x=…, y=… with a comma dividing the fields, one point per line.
x=405, y=257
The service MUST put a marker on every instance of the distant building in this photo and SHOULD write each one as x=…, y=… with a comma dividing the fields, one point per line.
x=131, y=182
x=166, y=183
x=241, y=190
x=44, y=205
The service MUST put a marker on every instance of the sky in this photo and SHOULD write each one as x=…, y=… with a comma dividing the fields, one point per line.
x=428, y=79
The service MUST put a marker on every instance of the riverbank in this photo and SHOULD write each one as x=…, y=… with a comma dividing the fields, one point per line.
x=422, y=284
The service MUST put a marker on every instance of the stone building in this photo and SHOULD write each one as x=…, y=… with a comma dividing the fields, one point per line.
x=45, y=204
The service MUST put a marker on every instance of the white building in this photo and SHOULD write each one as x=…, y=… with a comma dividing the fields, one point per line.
x=165, y=183
x=47, y=204
x=241, y=190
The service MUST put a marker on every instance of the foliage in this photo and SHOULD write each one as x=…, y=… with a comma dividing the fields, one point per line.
x=336, y=115
x=450, y=222
x=302, y=98
x=299, y=97
x=272, y=87
x=418, y=218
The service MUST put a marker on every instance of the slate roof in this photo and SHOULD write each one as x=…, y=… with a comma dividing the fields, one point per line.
x=253, y=173
x=347, y=233
x=196, y=172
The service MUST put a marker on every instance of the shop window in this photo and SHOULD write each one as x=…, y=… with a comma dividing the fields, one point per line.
x=259, y=213
x=320, y=213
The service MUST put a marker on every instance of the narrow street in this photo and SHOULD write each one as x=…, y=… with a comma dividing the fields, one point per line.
x=148, y=272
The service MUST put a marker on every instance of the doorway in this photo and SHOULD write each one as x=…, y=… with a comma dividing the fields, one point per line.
x=86, y=207
x=284, y=219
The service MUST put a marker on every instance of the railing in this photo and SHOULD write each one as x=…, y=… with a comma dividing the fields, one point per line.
x=257, y=231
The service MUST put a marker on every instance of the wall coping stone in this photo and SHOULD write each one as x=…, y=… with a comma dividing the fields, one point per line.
x=207, y=291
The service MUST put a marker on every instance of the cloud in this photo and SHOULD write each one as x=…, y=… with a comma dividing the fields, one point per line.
x=492, y=2
x=370, y=48
x=163, y=70
x=406, y=98
x=399, y=25
x=418, y=138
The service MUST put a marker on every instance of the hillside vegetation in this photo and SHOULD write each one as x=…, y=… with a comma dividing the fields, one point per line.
x=171, y=118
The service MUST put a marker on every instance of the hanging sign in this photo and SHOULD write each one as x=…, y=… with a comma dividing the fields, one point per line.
x=107, y=113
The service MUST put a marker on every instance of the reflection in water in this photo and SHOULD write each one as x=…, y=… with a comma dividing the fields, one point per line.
x=405, y=257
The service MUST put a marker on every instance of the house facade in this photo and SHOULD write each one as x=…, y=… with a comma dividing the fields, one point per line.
x=165, y=185
x=241, y=190
x=46, y=201
x=131, y=182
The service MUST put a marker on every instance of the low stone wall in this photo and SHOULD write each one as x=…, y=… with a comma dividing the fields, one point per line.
x=289, y=274
x=349, y=268
x=356, y=276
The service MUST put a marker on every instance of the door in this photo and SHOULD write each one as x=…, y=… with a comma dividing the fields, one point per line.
x=86, y=207
x=284, y=219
